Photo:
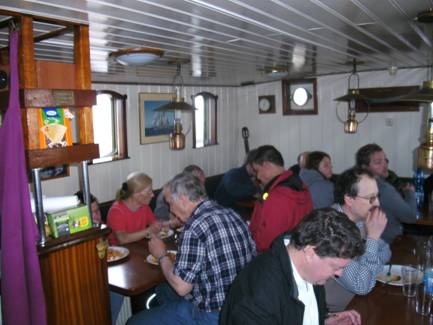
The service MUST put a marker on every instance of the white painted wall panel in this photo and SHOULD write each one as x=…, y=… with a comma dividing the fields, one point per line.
x=237, y=107
x=157, y=159
x=294, y=134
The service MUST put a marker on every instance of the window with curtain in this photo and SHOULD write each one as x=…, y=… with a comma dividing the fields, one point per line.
x=205, y=120
x=109, y=126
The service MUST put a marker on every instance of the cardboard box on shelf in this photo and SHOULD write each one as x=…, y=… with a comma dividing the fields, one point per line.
x=70, y=221
x=79, y=219
x=54, y=128
x=59, y=223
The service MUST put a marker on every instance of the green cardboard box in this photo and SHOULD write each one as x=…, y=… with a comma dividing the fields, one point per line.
x=59, y=223
x=70, y=221
x=79, y=219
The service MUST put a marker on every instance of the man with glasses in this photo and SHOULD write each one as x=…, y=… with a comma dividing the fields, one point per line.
x=357, y=195
x=397, y=208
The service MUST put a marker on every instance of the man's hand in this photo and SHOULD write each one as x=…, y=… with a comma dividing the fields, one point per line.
x=157, y=247
x=348, y=317
x=375, y=223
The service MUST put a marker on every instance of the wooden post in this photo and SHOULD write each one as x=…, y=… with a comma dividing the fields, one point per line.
x=27, y=73
x=83, y=80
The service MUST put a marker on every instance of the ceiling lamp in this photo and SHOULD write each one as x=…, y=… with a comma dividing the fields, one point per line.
x=276, y=72
x=352, y=96
x=425, y=17
x=137, y=56
x=178, y=105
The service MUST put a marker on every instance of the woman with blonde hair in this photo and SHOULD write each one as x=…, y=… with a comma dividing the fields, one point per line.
x=130, y=216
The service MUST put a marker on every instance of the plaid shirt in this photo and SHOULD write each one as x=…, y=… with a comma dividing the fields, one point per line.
x=214, y=246
x=359, y=276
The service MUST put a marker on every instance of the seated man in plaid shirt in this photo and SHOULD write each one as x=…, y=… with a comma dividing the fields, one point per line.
x=214, y=246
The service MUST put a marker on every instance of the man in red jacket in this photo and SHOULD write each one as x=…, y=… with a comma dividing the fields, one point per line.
x=285, y=200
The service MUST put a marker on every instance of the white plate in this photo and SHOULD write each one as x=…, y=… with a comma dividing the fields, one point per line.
x=152, y=260
x=116, y=253
x=163, y=234
x=395, y=278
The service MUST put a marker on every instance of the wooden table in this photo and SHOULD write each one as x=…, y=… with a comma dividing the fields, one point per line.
x=134, y=276
x=386, y=304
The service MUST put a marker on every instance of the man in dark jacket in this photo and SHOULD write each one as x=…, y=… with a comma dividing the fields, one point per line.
x=285, y=284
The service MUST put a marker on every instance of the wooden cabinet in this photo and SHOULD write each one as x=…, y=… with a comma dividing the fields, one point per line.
x=75, y=279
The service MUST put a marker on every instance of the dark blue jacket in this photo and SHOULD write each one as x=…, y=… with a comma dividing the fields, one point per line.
x=265, y=293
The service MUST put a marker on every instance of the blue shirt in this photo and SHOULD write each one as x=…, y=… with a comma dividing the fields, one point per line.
x=214, y=246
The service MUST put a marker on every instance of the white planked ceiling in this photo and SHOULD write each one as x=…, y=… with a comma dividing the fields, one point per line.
x=233, y=42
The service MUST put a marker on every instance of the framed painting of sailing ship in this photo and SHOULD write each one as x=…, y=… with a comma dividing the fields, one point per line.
x=154, y=126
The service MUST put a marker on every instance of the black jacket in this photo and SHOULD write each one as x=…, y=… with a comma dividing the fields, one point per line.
x=264, y=292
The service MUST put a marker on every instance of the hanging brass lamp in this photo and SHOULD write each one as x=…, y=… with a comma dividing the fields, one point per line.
x=178, y=105
x=352, y=96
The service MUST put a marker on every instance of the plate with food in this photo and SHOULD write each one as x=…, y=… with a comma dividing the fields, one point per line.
x=164, y=233
x=393, y=276
x=116, y=253
x=153, y=260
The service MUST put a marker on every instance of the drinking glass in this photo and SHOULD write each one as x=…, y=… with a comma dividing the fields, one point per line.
x=409, y=277
x=423, y=300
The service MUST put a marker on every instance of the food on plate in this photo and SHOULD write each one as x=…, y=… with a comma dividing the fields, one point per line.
x=393, y=278
x=153, y=260
x=114, y=254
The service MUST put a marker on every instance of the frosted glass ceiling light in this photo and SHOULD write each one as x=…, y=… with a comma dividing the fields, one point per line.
x=137, y=56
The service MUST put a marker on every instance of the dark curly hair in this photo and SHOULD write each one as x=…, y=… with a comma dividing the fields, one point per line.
x=331, y=232
x=347, y=183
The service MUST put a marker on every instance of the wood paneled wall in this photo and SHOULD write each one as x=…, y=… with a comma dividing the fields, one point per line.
x=237, y=107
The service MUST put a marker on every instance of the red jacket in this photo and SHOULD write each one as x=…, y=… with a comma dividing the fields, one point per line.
x=280, y=210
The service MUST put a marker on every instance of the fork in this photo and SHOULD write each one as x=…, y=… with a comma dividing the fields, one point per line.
x=388, y=274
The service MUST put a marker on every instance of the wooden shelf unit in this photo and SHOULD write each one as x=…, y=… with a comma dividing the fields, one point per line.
x=74, y=273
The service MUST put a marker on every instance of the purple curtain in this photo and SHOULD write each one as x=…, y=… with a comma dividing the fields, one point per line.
x=23, y=300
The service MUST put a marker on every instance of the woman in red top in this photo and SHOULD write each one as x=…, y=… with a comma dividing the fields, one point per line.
x=130, y=216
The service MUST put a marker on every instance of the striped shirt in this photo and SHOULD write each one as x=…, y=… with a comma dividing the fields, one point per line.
x=214, y=246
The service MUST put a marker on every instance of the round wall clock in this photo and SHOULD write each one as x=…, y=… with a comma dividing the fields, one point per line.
x=266, y=104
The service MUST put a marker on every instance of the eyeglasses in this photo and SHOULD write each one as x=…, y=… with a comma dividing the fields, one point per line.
x=370, y=199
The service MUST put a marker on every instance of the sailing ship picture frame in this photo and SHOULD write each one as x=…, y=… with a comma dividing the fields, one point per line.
x=154, y=126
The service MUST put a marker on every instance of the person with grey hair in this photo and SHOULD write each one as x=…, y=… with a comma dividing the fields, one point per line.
x=214, y=246
x=162, y=210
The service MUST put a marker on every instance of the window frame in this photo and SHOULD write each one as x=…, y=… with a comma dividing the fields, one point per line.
x=206, y=96
x=120, y=126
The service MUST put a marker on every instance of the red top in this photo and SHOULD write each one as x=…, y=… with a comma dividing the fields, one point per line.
x=121, y=218
x=278, y=211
